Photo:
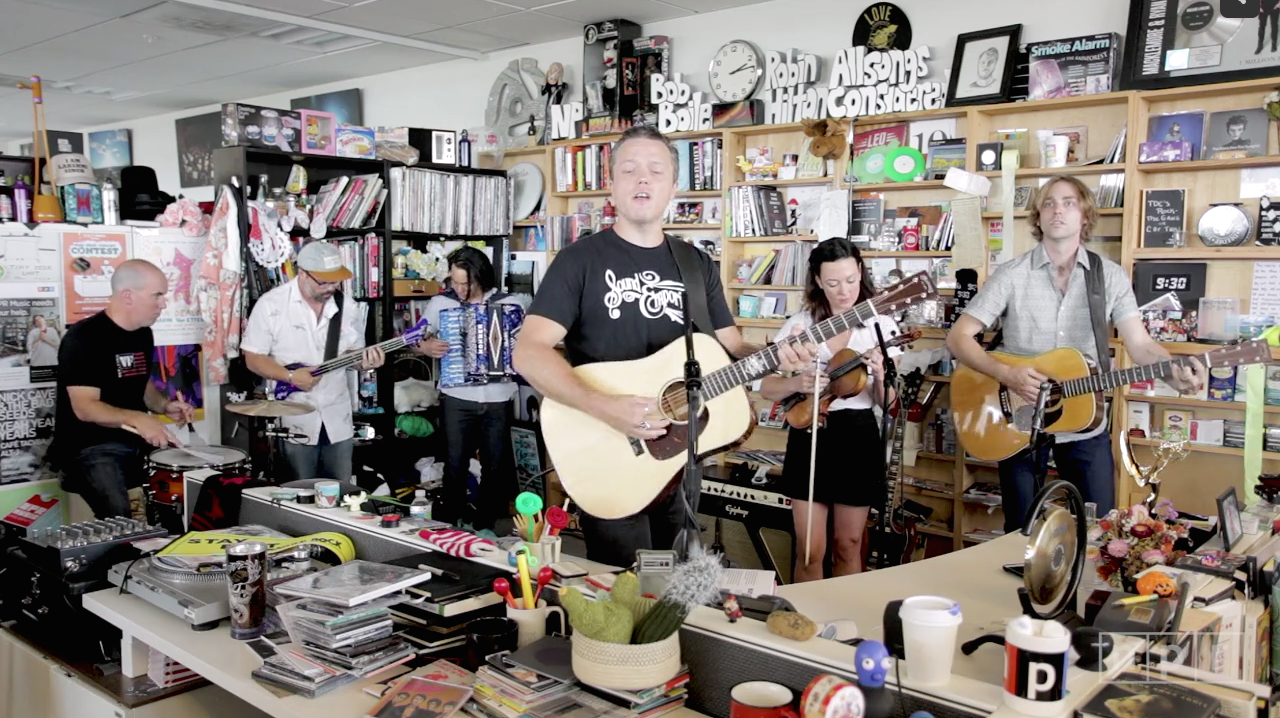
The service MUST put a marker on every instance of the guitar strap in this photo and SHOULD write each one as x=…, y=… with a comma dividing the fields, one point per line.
x=335, y=329
x=686, y=256
x=1096, y=286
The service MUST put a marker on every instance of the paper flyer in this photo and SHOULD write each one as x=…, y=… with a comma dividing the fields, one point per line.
x=88, y=261
x=178, y=256
x=26, y=431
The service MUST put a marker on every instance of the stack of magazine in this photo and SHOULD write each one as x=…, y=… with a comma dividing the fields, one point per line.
x=340, y=628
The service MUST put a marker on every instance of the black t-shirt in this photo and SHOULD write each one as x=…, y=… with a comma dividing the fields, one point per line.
x=96, y=352
x=619, y=301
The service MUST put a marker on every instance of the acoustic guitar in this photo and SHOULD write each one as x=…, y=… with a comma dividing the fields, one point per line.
x=282, y=390
x=891, y=534
x=610, y=475
x=994, y=423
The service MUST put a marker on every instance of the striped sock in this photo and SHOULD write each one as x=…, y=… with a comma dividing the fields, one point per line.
x=455, y=542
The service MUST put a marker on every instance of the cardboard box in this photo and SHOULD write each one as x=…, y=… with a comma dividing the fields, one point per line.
x=253, y=126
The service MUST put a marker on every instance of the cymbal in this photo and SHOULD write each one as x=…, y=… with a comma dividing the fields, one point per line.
x=1050, y=555
x=263, y=407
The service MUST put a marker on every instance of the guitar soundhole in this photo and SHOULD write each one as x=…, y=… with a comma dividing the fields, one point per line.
x=673, y=403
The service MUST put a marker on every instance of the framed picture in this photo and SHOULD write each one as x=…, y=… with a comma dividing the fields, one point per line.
x=444, y=144
x=530, y=457
x=1198, y=46
x=982, y=70
x=1178, y=127
x=1235, y=134
x=1229, y=518
x=344, y=104
x=319, y=132
x=687, y=212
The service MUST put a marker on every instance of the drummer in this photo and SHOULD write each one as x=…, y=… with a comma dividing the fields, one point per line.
x=106, y=403
x=290, y=325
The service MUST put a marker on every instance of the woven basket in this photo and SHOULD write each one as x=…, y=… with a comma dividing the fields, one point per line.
x=625, y=667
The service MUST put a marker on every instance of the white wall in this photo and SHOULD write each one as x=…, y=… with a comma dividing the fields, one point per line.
x=454, y=94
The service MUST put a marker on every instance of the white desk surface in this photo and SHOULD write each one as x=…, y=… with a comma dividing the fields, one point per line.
x=973, y=577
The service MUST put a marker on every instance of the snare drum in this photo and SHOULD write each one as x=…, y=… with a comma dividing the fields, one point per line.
x=166, y=473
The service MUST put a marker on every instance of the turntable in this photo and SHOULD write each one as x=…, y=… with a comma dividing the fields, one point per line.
x=198, y=597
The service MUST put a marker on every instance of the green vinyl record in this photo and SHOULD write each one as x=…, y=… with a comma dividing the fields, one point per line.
x=903, y=164
x=869, y=166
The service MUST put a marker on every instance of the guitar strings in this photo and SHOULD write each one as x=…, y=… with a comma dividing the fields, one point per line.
x=356, y=357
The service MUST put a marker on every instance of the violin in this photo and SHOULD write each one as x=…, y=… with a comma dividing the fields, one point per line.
x=848, y=378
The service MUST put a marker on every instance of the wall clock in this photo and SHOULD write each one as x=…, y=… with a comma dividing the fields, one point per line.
x=735, y=71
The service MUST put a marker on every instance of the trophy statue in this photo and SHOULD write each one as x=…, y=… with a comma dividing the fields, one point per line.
x=1166, y=452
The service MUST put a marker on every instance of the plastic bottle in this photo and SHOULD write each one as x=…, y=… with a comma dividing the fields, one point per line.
x=464, y=150
x=110, y=203
x=420, y=507
x=6, y=200
x=22, y=200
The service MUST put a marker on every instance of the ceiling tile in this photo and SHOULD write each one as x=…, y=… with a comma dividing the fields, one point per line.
x=305, y=8
x=109, y=44
x=207, y=62
x=190, y=18
x=105, y=9
x=463, y=37
x=528, y=27
x=339, y=66
x=414, y=17
x=25, y=25
x=712, y=5
x=638, y=11
x=528, y=4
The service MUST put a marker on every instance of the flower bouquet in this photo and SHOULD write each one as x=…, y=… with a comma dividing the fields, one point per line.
x=1126, y=542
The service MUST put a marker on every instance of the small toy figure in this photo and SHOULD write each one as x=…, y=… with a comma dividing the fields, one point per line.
x=873, y=662
x=732, y=609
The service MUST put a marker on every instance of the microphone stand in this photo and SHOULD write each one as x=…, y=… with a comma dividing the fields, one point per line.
x=890, y=380
x=689, y=536
x=1040, y=440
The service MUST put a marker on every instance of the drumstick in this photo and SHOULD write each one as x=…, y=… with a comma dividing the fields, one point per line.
x=813, y=463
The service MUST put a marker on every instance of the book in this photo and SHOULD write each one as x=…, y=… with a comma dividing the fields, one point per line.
x=353, y=583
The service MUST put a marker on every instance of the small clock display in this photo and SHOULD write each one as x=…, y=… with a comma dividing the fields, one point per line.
x=1170, y=283
x=735, y=71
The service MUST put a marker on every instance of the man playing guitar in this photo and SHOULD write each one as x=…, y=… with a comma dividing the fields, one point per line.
x=1042, y=297
x=617, y=295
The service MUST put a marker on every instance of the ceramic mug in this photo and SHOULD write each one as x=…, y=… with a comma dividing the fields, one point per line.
x=761, y=699
x=830, y=696
x=533, y=622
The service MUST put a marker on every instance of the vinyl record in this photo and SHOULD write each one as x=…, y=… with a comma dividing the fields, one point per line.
x=1201, y=24
x=904, y=164
x=882, y=26
x=870, y=166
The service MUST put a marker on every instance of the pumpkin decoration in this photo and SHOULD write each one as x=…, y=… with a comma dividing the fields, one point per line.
x=1160, y=584
x=830, y=137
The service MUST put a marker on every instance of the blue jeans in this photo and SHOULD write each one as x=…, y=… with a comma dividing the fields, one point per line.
x=322, y=460
x=102, y=473
x=468, y=426
x=1087, y=463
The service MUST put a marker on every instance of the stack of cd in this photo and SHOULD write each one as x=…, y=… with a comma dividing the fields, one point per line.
x=1233, y=434
x=1271, y=439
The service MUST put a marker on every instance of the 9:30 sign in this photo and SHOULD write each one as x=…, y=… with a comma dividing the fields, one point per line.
x=1170, y=283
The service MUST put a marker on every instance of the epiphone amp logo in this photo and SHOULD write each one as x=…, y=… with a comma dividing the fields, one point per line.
x=95, y=249
x=736, y=511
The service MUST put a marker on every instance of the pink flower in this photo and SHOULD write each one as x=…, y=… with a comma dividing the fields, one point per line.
x=1153, y=556
x=1138, y=513
x=1141, y=531
x=1118, y=548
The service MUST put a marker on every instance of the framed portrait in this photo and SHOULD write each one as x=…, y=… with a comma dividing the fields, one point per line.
x=530, y=456
x=1197, y=46
x=1235, y=134
x=1229, y=518
x=1179, y=127
x=982, y=70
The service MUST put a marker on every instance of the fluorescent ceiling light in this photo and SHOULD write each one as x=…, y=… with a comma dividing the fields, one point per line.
x=334, y=28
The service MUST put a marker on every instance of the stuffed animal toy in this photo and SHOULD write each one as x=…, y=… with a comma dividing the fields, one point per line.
x=829, y=137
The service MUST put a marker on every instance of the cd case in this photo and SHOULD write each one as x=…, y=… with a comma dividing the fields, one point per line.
x=353, y=583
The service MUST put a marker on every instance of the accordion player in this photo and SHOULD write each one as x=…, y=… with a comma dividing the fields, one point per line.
x=481, y=339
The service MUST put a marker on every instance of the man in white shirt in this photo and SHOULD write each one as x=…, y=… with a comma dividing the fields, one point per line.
x=473, y=416
x=289, y=325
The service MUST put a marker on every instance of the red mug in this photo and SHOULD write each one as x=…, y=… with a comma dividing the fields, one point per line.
x=761, y=699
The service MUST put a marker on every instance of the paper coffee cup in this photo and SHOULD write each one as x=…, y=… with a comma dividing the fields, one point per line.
x=1055, y=151
x=930, y=625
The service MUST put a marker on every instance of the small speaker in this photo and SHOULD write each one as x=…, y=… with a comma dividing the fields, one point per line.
x=893, y=630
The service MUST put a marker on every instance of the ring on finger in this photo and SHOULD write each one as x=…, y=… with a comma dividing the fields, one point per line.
x=644, y=425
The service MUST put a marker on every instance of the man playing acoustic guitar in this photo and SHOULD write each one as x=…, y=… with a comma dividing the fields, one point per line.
x=617, y=295
x=1043, y=300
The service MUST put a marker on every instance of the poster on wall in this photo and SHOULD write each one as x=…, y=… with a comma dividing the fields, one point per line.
x=26, y=430
x=30, y=255
x=109, y=152
x=31, y=331
x=178, y=256
x=176, y=373
x=88, y=261
x=1171, y=43
x=197, y=138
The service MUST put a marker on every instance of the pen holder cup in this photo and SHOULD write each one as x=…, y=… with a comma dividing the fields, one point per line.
x=547, y=551
x=625, y=667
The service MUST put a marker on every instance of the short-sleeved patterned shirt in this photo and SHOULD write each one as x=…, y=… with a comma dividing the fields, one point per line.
x=1039, y=317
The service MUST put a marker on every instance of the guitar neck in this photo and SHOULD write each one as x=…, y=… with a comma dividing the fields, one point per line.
x=747, y=370
x=1120, y=377
x=353, y=358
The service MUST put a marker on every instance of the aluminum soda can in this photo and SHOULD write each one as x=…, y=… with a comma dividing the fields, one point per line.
x=247, y=588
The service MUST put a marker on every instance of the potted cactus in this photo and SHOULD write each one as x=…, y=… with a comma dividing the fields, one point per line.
x=629, y=641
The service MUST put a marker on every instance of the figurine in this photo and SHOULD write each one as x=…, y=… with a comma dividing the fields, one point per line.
x=554, y=87
x=533, y=131
x=609, y=94
x=873, y=662
x=732, y=609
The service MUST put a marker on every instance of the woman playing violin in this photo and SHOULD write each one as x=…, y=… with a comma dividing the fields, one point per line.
x=849, y=473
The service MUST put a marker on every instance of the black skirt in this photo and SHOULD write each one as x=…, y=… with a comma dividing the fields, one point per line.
x=850, y=465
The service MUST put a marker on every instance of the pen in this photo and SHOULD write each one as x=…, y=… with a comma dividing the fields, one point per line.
x=440, y=571
x=1135, y=600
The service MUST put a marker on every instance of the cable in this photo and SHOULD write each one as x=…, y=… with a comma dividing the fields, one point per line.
x=124, y=580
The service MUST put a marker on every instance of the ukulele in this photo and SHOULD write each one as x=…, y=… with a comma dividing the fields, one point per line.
x=414, y=334
x=848, y=378
x=891, y=537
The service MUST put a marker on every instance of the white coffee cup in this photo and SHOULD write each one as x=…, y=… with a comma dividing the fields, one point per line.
x=1035, y=669
x=532, y=622
x=930, y=625
x=1056, y=149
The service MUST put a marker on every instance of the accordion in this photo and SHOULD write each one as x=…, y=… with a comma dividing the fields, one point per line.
x=481, y=339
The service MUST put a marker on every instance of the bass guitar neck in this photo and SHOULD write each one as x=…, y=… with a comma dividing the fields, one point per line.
x=283, y=389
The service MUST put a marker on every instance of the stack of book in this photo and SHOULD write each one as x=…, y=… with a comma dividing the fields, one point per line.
x=506, y=687
x=647, y=703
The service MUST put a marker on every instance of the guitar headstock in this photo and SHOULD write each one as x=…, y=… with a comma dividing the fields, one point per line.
x=416, y=333
x=904, y=338
x=1254, y=351
x=913, y=290
x=909, y=387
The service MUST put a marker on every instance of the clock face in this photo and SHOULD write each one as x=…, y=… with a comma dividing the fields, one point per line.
x=735, y=71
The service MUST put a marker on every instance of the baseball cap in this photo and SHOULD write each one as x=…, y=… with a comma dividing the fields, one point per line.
x=323, y=261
